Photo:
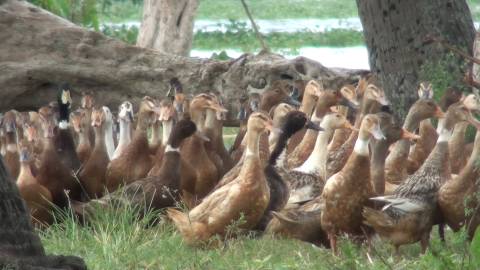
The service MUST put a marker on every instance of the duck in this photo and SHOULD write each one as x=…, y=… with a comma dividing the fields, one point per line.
x=36, y=196
x=125, y=118
x=109, y=136
x=166, y=118
x=346, y=192
x=372, y=100
x=428, y=134
x=267, y=143
x=393, y=132
x=84, y=148
x=155, y=192
x=410, y=213
x=327, y=99
x=214, y=131
x=245, y=198
x=136, y=155
x=276, y=94
x=457, y=194
x=86, y=103
x=248, y=105
x=307, y=181
x=195, y=153
x=180, y=101
x=92, y=174
x=63, y=139
x=155, y=141
x=313, y=91
x=11, y=156
x=395, y=164
x=52, y=173
x=293, y=121
x=340, y=136
x=304, y=222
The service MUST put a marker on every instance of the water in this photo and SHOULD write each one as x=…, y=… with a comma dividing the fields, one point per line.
x=347, y=57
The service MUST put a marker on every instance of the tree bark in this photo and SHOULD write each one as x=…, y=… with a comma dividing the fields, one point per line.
x=39, y=50
x=395, y=32
x=20, y=246
x=167, y=25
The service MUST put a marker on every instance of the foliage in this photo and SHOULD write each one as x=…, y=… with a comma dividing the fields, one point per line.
x=475, y=249
x=125, y=33
x=446, y=72
x=79, y=12
x=239, y=36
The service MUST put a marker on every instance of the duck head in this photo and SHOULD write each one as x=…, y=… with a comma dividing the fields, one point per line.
x=98, y=117
x=125, y=111
x=424, y=109
x=24, y=151
x=372, y=92
x=425, y=90
x=77, y=119
x=167, y=111
x=182, y=130
x=370, y=126
x=334, y=121
x=87, y=101
x=296, y=120
x=458, y=112
x=64, y=104
x=260, y=122
x=392, y=130
x=148, y=112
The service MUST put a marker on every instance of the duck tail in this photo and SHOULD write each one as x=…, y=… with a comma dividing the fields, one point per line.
x=376, y=219
x=192, y=232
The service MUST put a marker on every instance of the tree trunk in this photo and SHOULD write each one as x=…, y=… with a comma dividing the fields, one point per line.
x=20, y=246
x=167, y=25
x=395, y=32
x=39, y=50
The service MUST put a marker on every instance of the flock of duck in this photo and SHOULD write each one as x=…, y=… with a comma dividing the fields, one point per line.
x=311, y=164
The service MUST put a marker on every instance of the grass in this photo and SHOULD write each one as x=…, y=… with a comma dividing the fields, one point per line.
x=122, y=11
x=115, y=239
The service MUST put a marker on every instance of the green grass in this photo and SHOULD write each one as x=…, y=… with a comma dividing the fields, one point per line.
x=116, y=240
x=246, y=41
x=121, y=11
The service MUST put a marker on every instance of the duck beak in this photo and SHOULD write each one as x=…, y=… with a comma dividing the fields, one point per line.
x=349, y=103
x=312, y=125
x=439, y=113
x=409, y=135
x=349, y=126
x=202, y=136
x=23, y=155
x=383, y=101
x=377, y=133
x=291, y=101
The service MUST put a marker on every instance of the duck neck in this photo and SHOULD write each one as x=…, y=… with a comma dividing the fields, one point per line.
x=125, y=132
x=108, y=138
x=400, y=152
x=100, y=142
x=377, y=167
x=83, y=138
x=438, y=158
x=308, y=104
x=25, y=175
x=11, y=141
x=273, y=137
x=316, y=162
x=166, y=130
x=361, y=144
x=470, y=173
x=253, y=141
x=457, y=142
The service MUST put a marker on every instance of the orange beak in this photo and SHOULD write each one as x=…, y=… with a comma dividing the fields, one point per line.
x=409, y=135
x=439, y=113
x=349, y=126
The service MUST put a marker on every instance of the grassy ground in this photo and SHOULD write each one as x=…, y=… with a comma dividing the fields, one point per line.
x=115, y=240
x=261, y=9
